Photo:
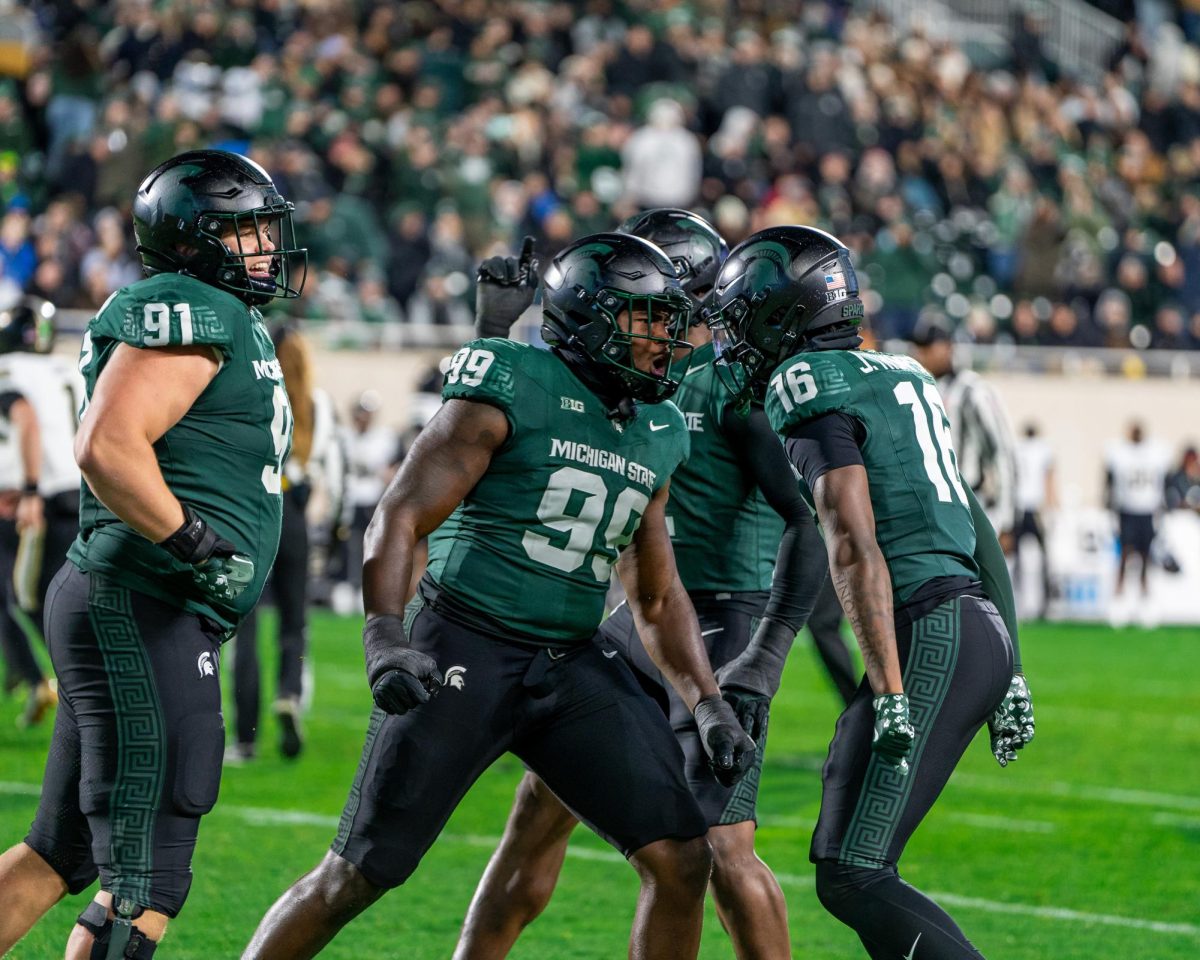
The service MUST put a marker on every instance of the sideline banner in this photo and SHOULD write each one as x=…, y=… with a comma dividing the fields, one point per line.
x=1083, y=548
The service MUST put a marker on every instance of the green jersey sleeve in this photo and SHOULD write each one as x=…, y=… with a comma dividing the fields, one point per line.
x=808, y=386
x=486, y=371
x=170, y=310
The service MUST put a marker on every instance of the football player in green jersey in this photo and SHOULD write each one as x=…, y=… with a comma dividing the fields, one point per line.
x=908, y=548
x=185, y=427
x=551, y=466
x=733, y=491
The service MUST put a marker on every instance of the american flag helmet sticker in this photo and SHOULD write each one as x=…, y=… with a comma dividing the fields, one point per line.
x=835, y=277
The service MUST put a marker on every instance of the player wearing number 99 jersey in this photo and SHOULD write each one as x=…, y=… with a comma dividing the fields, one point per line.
x=555, y=464
x=181, y=439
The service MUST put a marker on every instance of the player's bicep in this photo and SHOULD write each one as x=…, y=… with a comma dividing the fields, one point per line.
x=146, y=392
x=447, y=459
x=842, y=498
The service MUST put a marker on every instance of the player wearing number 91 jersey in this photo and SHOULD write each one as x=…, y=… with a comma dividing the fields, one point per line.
x=180, y=444
x=222, y=457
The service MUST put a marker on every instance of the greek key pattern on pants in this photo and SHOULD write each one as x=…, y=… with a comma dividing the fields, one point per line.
x=137, y=789
x=927, y=676
x=743, y=801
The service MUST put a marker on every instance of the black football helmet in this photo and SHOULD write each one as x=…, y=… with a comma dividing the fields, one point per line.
x=587, y=289
x=188, y=204
x=28, y=325
x=691, y=243
x=782, y=290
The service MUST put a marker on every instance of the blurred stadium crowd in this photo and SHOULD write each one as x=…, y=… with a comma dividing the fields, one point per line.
x=1024, y=204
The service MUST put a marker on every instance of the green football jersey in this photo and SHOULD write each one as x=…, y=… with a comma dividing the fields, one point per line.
x=531, y=548
x=223, y=457
x=724, y=533
x=922, y=521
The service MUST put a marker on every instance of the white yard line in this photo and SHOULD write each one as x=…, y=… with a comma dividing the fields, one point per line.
x=1076, y=791
x=20, y=789
x=261, y=816
x=268, y=816
x=1174, y=820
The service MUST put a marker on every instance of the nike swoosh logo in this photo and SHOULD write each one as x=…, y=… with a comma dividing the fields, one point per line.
x=912, y=953
x=694, y=370
x=705, y=633
x=609, y=653
x=658, y=426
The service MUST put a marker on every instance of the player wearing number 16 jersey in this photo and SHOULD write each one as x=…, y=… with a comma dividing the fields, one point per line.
x=552, y=467
x=180, y=445
x=914, y=560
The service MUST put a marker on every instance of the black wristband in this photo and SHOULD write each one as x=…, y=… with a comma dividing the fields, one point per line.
x=30, y=489
x=193, y=541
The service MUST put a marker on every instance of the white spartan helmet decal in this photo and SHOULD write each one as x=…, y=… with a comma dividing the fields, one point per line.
x=454, y=677
x=204, y=664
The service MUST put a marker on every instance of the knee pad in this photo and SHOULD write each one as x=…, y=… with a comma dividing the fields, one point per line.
x=199, y=748
x=96, y=921
x=840, y=886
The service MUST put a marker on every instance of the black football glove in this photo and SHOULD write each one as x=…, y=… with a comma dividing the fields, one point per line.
x=751, y=679
x=400, y=676
x=504, y=289
x=730, y=751
x=219, y=571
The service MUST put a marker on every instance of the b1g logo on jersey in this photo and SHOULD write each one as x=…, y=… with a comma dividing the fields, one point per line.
x=570, y=403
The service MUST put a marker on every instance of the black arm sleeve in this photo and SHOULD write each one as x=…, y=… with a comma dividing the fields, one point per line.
x=800, y=565
x=7, y=399
x=825, y=443
x=993, y=571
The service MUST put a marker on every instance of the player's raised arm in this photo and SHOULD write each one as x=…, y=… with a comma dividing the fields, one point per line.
x=445, y=462
x=667, y=625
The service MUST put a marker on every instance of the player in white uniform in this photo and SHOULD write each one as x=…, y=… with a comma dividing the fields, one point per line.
x=41, y=485
x=1035, y=493
x=1135, y=483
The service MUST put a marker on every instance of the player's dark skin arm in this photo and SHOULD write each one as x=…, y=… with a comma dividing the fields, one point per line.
x=138, y=397
x=860, y=575
x=446, y=461
x=444, y=464
x=665, y=618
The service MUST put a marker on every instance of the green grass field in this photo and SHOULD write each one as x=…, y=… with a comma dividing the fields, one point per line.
x=1089, y=847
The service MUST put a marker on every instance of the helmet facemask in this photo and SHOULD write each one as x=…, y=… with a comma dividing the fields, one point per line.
x=633, y=319
x=288, y=268
x=783, y=291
